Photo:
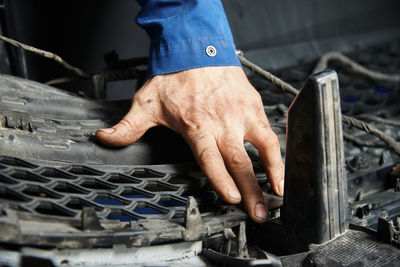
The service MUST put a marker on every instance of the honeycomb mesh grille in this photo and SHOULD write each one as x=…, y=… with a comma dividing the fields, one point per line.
x=62, y=192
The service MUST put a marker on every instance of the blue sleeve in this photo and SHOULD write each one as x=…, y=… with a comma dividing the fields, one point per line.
x=186, y=34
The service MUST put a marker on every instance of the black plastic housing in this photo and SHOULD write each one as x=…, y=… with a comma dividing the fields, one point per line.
x=315, y=199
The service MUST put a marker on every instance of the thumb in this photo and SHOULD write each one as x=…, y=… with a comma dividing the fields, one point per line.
x=135, y=123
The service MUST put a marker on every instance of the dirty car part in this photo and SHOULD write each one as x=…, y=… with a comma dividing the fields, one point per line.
x=315, y=199
x=78, y=204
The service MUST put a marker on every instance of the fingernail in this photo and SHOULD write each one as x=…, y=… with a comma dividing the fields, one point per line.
x=281, y=186
x=260, y=211
x=108, y=130
x=233, y=193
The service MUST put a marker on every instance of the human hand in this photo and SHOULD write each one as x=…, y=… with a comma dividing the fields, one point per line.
x=215, y=109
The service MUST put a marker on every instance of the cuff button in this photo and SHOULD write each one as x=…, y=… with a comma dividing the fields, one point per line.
x=211, y=51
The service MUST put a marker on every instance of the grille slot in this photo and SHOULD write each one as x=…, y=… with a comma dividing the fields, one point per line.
x=83, y=170
x=69, y=188
x=118, y=178
x=39, y=191
x=56, y=174
x=11, y=195
x=51, y=209
x=160, y=187
x=145, y=173
x=23, y=175
x=16, y=162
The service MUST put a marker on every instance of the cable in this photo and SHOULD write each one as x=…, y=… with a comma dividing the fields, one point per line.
x=359, y=142
x=390, y=142
x=267, y=75
x=46, y=54
x=61, y=80
x=374, y=75
x=379, y=120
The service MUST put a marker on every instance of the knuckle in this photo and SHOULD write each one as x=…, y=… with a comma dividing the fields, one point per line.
x=237, y=158
x=277, y=172
x=258, y=127
x=195, y=115
x=272, y=139
x=138, y=98
x=208, y=154
x=127, y=124
x=195, y=119
x=142, y=99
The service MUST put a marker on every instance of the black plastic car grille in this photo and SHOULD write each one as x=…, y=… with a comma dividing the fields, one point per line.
x=137, y=193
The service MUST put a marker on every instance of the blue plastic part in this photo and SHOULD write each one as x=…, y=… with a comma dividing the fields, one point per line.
x=108, y=201
x=350, y=99
x=171, y=203
x=135, y=196
x=147, y=210
x=371, y=101
x=382, y=90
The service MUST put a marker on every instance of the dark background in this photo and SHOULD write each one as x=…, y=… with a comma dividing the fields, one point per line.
x=272, y=33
